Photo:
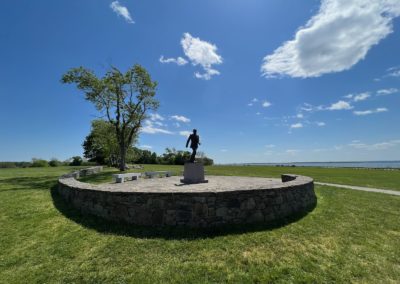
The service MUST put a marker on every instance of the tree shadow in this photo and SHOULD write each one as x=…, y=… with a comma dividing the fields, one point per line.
x=98, y=177
x=168, y=233
x=27, y=183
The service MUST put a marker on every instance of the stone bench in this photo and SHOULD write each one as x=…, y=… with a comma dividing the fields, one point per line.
x=120, y=178
x=158, y=174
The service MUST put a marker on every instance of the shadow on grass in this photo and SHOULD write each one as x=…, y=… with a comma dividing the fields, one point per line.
x=98, y=178
x=27, y=183
x=169, y=233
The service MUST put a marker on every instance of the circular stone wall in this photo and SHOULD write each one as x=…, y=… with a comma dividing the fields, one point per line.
x=168, y=202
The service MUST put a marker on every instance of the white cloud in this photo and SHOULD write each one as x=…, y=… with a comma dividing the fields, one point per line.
x=394, y=72
x=146, y=147
x=224, y=150
x=340, y=105
x=296, y=125
x=300, y=115
x=208, y=73
x=377, y=146
x=266, y=104
x=321, y=124
x=349, y=96
x=361, y=97
x=155, y=116
x=258, y=113
x=389, y=91
x=149, y=128
x=270, y=146
x=252, y=102
x=180, y=118
x=201, y=53
x=310, y=108
x=185, y=133
x=292, y=151
x=358, y=97
x=371, y=111
x=179, y=60
x=154, y=130
x=333, y=40
x=158, y=123
x=121, y=11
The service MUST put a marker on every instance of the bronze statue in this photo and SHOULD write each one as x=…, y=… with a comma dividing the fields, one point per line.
x=195, y=142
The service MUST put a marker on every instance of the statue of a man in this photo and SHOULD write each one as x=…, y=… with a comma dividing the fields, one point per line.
x=195, y=142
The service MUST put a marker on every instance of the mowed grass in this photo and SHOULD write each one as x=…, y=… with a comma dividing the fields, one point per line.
x=380, y=178
x=350, y=236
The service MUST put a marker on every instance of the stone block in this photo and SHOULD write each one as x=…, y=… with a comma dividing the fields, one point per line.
x=193, y=173
x=256, y=217
x=221, y=212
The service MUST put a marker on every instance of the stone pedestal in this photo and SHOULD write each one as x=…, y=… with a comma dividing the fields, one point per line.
x=193, y=173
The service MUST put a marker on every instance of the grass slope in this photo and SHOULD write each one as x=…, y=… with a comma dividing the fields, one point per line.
x=350, y=236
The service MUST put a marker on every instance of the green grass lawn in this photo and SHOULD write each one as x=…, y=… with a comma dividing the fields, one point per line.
x=350, y=236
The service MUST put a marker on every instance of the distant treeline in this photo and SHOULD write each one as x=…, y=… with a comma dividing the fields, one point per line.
x=141, y=156
x=135, y=156
x=35, y=163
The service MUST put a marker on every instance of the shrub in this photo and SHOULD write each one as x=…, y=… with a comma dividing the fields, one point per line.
x=4, y=165
x=39, y=163
x=206, y=161
x=54, y=163
x=76, y=161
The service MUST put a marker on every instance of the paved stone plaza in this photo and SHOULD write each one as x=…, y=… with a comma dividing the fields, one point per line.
x=168, y=202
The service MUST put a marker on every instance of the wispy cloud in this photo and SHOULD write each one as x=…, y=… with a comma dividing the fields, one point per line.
x=358, y=97
x=393, y=71
x=179, y=60
x=296, y=125
x=292, y=151
x=333, y=40
x=361, y=97
x=180, y=118
x=121, y=11
x=185, y=133
x=155, y=116
x=150, y=128
x=371, y=111
x=389, y=91
x=377, y=146
x=146, y=147
x=321, y=124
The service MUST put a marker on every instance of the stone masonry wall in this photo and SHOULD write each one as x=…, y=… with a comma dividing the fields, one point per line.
x=193, y=209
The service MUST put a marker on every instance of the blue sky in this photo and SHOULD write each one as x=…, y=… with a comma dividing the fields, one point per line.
x=262, y=81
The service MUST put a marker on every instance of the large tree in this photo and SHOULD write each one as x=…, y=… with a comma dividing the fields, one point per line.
x=124, y=99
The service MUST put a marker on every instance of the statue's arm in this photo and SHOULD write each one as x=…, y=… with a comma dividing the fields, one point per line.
x=187, y=142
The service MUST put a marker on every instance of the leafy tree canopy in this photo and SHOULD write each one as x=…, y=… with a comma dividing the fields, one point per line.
x=123, y=99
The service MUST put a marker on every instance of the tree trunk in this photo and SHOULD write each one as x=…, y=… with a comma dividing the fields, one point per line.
x=122, y=157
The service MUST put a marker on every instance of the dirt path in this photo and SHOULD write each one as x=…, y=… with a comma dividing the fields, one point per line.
x=370, y=189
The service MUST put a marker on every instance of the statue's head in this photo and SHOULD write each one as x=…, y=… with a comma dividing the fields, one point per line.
x=194, y=131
